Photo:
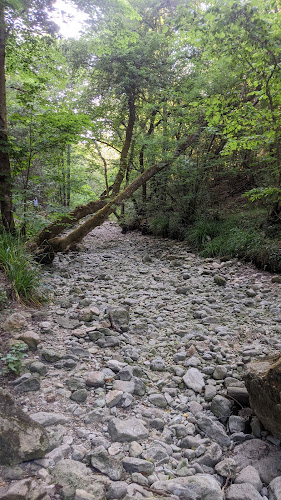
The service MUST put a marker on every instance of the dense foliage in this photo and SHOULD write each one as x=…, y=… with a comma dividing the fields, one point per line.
x=87, y=116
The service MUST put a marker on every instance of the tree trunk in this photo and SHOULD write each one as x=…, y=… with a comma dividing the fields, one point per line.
x=46, y=252
x=66, y=221
x=5, y=168
x=125, y=150
x=68, y=175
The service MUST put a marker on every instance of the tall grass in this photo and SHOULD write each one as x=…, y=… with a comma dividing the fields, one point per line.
x=22, y=272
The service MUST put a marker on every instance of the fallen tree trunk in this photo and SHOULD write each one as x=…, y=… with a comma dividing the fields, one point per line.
x=64, y=222
x=48, y=248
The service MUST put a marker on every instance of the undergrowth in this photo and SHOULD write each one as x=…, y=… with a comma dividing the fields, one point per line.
x=20, y=269
x=238, y=236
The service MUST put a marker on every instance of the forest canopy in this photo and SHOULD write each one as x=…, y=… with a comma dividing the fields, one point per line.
x=162, y=112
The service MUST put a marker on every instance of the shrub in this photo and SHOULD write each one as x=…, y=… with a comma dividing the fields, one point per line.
x=13, y=360
x=21, y=271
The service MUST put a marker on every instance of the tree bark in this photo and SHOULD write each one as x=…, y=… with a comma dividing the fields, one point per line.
x=5, y=168
x=46, y=252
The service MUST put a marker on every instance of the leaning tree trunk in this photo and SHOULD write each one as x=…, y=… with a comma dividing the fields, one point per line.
x=5, y=168
x=60, y=225
x=45, y=253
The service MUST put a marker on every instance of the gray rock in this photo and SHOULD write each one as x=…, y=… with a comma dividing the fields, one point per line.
x=124, y=386
x=274, y=489
x=213, y=430
x=220, y=372
x=95, y=379
x=73, y=384
x=85, y=315
x=236, y=424
x=14, y=322
x=263, y=456
x=72, y=475
x=83, y=495
x=47, y=419
x=113, y=398
x=80, y=395
x=210, y=392
x=244, y=491
x=21, y=438
x=194, y=379
x=117, y=490
x=26, y=489
x=220, y=280
x=139, y=479
x=227, y=468
x=263, y=381
x=249, y=475
x=132, y=464
x=119, y=317
x=101, y=461
x=158, y=365
x=198, y=487
x=30, y=384
x=158, y=400
x=156, y=454
x=130, y=429
x=157, y=423
x=30, y=338
x=221, y=407
x=38, y=367
x=51, y=355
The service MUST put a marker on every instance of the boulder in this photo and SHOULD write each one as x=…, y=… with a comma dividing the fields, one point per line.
x=72, y=476
x=263, y=381
x=262, y=455
x=21, y=439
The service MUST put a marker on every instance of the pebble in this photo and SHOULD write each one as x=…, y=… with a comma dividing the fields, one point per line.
x=142, y=373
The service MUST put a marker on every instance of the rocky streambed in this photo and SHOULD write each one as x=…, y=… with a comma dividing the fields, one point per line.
x=135, y=375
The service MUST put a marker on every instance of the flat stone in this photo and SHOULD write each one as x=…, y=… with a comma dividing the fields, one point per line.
x=130, y=429
x=132, y=464
x=47, y=419
x=194, y=379
x=124, y=386
x=200, y=486
x=30, y=384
